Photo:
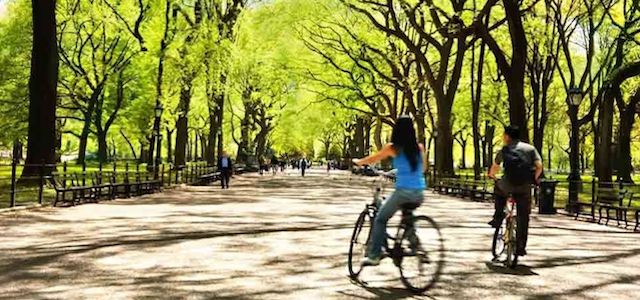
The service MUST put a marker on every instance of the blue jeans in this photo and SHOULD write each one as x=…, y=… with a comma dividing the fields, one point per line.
x=388, y=209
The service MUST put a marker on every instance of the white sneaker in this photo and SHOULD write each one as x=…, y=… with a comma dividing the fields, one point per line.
x=370, y=262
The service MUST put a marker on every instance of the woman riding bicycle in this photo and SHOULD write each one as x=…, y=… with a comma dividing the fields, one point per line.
x=409, y=160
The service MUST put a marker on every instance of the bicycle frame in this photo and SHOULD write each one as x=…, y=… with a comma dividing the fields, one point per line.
x=394, y=252
x=510, y=214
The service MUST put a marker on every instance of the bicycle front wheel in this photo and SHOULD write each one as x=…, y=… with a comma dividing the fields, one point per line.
x=511, y=244
x=422, y=254
x=359, y=242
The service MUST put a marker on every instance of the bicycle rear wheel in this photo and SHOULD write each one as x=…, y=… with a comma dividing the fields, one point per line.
x=511, y=244
x=359, y=242
x=498, y=244
x=421, y=255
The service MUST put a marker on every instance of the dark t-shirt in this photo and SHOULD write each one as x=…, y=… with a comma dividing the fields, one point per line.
x=530, y=154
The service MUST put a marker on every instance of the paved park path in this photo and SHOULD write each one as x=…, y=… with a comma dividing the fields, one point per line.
x=286, y=237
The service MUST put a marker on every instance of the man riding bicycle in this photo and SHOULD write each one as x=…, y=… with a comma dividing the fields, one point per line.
x=522, y=167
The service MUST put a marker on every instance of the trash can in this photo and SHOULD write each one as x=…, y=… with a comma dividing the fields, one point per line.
x=546, y=196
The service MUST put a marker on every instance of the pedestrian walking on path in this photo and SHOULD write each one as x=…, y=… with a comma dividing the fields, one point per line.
x=225, y=167
x=304, y=163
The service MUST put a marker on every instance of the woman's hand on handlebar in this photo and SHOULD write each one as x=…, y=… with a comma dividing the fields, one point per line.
x=357, y=161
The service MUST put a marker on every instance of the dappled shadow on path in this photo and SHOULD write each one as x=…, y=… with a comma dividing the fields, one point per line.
x=520, y=270
x=286, y=237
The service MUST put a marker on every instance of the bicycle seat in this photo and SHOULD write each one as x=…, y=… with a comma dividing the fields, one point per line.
x=409, y=206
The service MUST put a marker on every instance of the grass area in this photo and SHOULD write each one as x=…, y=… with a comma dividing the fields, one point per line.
x=26, y=197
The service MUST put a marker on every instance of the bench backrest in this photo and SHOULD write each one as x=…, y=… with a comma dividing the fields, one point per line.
x=610, y=195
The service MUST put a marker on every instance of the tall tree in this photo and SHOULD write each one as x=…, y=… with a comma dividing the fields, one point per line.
x=41, y=141
x=438, y=35
x=221, y=16
x=541, y=66
x=512, y=67
x=190, y=68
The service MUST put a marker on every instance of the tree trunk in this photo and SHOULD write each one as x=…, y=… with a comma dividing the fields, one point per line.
x=203, y=146
x=377, y=135
x=210, y=152
x=182, y=125
x=169, y=144
x=549, y=149
x=605, y=130
x=359, y=137
x=133, y=150
x=367, y=137
x=475, y=115
x=463, y=145
x=261, y=143
x=515, y=80
x=245, y=126
x=59, y=125
x=421, y=126
x=17, y=150
x=489, y=131
x=444, y=141
x=164, y=44
x=574, y=144
x=143, y=153
x=220, y=97
x=188, y=146
x=83, y=138
x=625, y=127
x=43, y=81
x=103, y=146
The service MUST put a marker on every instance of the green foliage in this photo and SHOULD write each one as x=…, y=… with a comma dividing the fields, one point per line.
x=15, y=55
x=311, y=67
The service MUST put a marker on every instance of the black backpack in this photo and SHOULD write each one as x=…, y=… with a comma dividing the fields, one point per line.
x=517, y=168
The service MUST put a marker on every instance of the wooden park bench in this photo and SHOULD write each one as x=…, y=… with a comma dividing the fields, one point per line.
x=120, y=185
x=103, y=185
x=475, y=190
x=208, y=178
x=607, y=200
x=85, y=191
x=449, y=186
x=627, y=207
x=64, y=194
x=437, y=186
x=72, y=193
x=145, y=183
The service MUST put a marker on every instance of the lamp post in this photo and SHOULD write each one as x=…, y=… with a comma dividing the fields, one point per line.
x=574, y=98
x=156, y=132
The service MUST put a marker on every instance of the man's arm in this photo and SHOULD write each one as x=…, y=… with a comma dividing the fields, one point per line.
x=537, y=162
x=425, y=159
x=539, y=168
x=493, y=170
x=495, y=167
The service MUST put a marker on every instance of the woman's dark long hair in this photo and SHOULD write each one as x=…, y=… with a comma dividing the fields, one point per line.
x=404, y=140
